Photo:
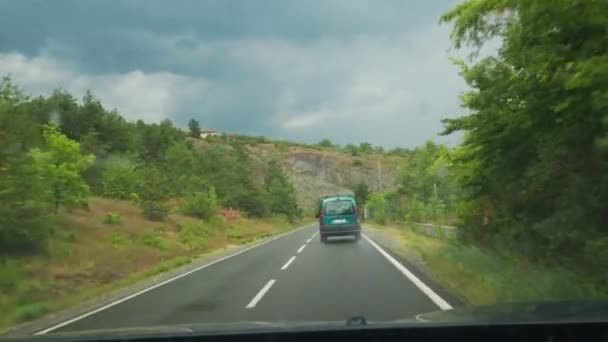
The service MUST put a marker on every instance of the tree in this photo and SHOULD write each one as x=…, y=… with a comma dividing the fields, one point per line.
x=351, y=149
x=153, y=191
x=119, y=179
x=325, y=143
x=532, y=165
x=195, y=128
x=280, y=192
x=361, y=193
x=61, y=164
x=366, y=147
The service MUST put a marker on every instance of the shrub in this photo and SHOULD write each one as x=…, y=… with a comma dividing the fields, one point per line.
x=112, y=218
x=119, y=180
x=193, y=235
x=120, y=240
x=154, y=210
x=201, y=204
x=153, y=240
x=10, y=275
x=31, y=311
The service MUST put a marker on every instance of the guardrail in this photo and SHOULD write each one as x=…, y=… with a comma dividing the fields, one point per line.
x=436, y=230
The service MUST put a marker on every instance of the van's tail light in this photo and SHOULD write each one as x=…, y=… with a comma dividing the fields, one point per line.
x=358, y=215
x=321, y=217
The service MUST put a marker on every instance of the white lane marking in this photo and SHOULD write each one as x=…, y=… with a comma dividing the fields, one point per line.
x=308, y=241
x=315, y=234
x=260, y=294
x=288, y=262
x=440, y=302
x=124, y=299
x=301, y=248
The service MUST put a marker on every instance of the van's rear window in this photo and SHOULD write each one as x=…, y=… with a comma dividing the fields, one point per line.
x=339, y=208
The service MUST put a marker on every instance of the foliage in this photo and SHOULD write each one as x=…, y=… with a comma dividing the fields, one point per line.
x=281, y=195
x=203, y=205
x=325, y=143
x=61, y=164
x=153, y=240
x=361, y=191
x=377, y=204
x=194, y=128
x=533, y=164
x=112, y=218
x=119, y=179
x=153, y=190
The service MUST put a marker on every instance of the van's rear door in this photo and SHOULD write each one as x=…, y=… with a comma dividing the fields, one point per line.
x=339, y=212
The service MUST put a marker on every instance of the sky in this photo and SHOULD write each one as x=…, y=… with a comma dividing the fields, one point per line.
x=347, y=70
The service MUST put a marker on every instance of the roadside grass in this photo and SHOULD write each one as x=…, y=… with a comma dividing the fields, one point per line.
x=87, y=258
x=484, y=277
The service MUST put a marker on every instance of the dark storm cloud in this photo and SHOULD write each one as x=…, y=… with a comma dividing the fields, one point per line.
x=292, y=69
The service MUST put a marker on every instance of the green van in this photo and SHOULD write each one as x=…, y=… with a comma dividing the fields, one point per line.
x=338, y=216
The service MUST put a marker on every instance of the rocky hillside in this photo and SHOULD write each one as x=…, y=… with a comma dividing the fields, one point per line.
x=316, y=171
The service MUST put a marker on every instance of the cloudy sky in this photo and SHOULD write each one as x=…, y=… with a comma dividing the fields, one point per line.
x=348, y=70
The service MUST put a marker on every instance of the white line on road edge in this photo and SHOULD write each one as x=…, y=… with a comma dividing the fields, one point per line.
x=260, y=294
x=124, y=299
x=288, y=262
x=308, y=241
x=440, y=302
x=315, y=234
x=301, y=248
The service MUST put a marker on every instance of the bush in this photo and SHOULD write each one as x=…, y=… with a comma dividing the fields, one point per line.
x=154, y=210
x=201, y=204
x=112, y=218
x=193, y=235
x=10, y=275
x=119, y=180
x=120, y=240
x=31, y=311
x=153, y=240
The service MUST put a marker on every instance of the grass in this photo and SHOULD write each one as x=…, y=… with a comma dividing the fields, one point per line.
x=484, y=277
x=87, y=257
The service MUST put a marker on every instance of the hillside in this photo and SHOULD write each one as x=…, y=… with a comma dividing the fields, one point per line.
x=315, y=171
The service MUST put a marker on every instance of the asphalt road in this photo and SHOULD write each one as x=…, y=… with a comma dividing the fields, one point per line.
x=289, y=279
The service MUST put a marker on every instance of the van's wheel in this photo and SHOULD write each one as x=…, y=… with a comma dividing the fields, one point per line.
x=323, y=238
x=357, y=236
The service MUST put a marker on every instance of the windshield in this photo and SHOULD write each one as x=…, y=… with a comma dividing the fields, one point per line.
x=339, y=207
x=234, y=164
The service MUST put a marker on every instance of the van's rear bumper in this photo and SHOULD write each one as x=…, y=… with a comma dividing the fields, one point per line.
x=334, y=230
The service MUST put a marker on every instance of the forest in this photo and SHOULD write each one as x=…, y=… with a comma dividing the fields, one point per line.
x=58, y=151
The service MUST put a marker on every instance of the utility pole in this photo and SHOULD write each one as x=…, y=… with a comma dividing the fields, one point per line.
x=379, y=174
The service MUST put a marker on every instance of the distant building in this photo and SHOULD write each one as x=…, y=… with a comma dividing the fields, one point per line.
x=205, y=133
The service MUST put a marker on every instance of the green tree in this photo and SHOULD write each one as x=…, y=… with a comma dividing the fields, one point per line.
x=195, y=128
x=532, y=166
x=280, y=192
x=325, y=143
x=201, y=204
x=26, y=211
x=61, y=163
x=119, y=179
x=154, y=192
x=366, y=147
x=351, y=149
x=361, y=191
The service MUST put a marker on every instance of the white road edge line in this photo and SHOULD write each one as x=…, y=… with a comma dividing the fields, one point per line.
x=260, y=294
x=440, y=302
x=301, y=248
x=124, y=299
x=288, y=262
x=308, y=241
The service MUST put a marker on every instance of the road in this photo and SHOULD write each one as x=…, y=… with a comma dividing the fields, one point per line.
x=291, y=278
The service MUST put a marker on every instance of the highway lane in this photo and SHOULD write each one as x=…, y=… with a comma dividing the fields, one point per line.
x=292, y=278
